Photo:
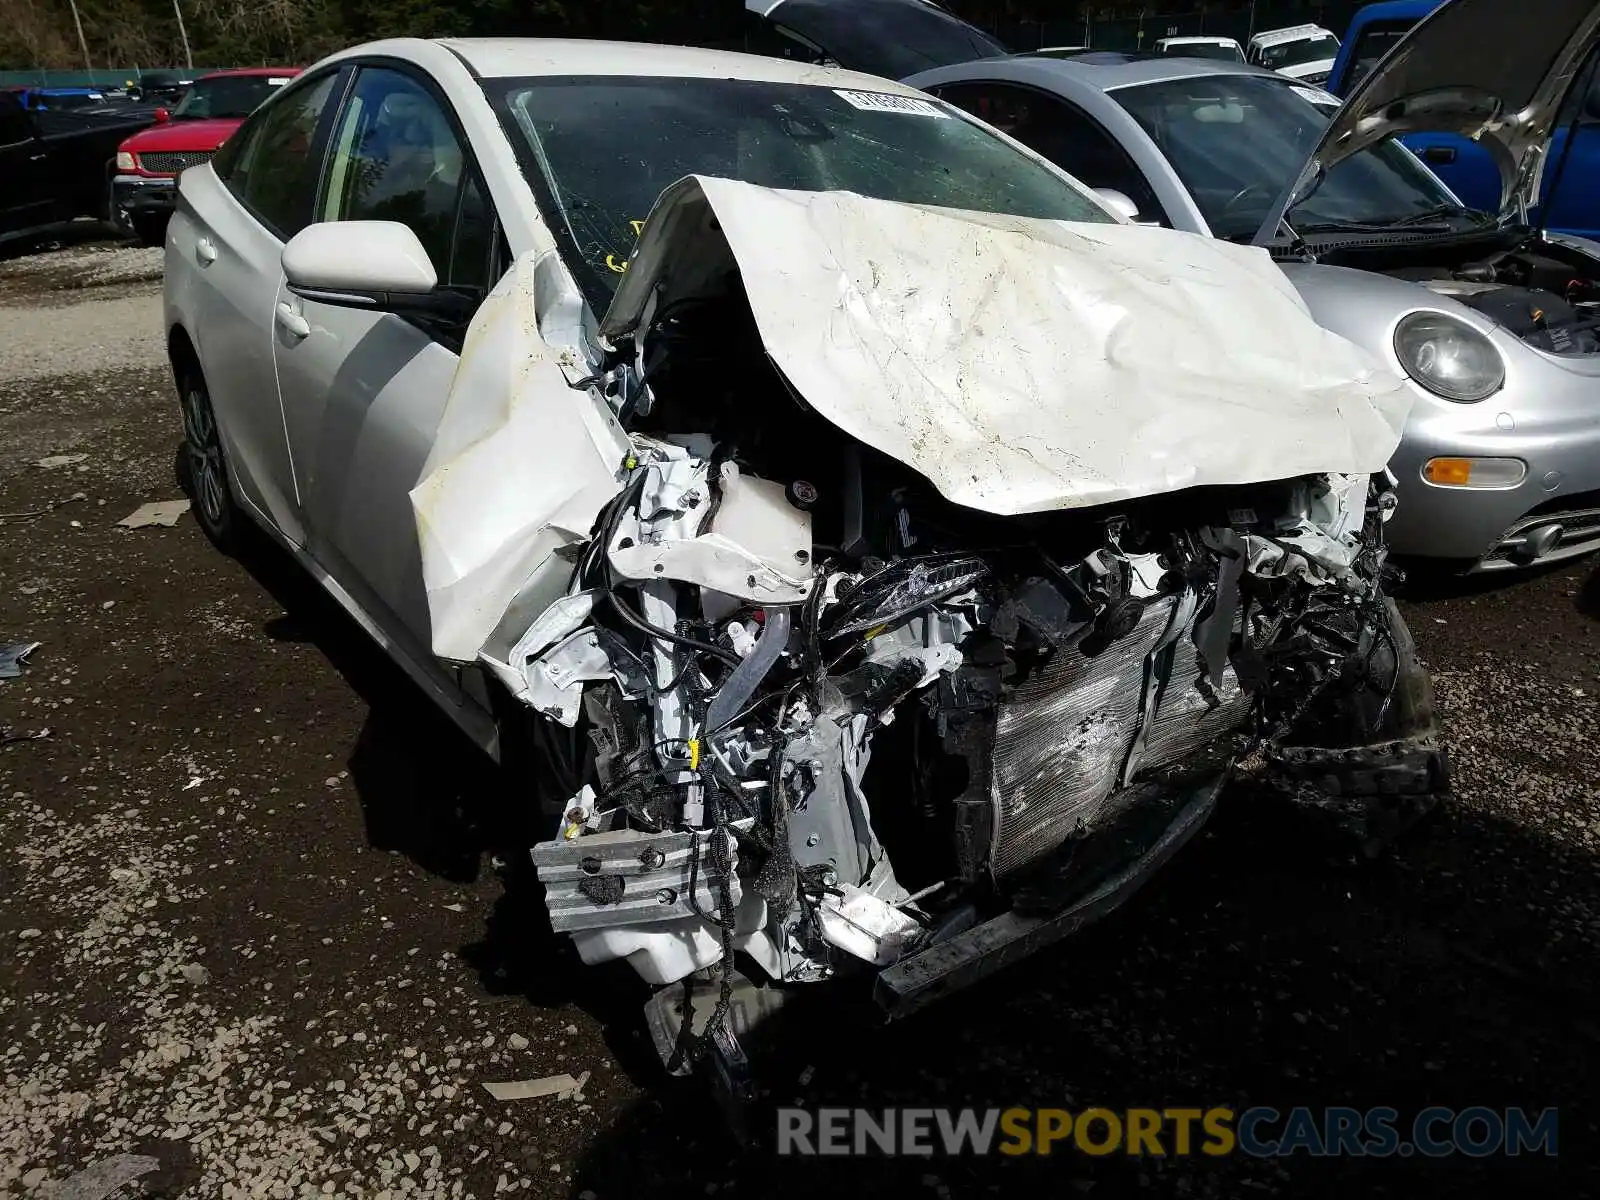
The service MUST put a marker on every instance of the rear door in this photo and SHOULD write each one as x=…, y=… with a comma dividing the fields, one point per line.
x=25, y=196
x=1570, y=191
x=362, y=391
x=233, y=220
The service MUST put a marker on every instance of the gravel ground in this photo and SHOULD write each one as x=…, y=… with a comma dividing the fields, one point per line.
x=265, y=932
x=115, y=322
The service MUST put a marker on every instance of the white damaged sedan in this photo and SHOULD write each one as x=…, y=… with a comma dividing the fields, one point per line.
x=874, y=553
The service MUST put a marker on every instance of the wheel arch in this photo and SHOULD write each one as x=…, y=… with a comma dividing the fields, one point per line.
x=182, y=355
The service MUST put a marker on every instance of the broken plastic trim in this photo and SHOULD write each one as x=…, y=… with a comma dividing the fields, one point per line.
x=931, y=974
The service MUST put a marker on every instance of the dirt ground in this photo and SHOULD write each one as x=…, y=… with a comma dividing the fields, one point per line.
x=261, y=921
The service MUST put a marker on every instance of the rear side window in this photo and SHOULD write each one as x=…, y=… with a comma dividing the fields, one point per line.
x=1062, y=133
x=268, y=164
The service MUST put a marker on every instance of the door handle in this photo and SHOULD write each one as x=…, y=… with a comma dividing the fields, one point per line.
x=292, y=322
x=1439, y=154
x=206, y=251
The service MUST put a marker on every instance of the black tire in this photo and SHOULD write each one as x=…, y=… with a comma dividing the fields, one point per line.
x=202, y=469
x=151, y=231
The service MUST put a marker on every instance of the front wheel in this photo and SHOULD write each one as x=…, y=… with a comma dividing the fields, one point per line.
x=201, y=467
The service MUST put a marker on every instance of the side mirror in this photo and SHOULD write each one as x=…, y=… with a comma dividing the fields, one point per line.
x=162, y=116
x=377, y=265
x=1119, y=202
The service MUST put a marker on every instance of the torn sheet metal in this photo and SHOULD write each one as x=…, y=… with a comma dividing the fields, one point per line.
x=521, y=464
x=1025, y=365
x=860, y=924
x=752, y=544
x=1320, y=540
x=526, y=669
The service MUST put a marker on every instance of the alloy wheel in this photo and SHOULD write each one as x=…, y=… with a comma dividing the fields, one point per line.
x=204, y=452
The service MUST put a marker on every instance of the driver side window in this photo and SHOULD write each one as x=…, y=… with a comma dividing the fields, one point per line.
x=396, y=157
x=269, y=162
x=1065, y=135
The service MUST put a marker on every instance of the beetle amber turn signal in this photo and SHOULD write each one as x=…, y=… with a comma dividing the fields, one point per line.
x=1475, y=472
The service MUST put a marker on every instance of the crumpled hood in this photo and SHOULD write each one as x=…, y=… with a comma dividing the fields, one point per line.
x=1025, y=365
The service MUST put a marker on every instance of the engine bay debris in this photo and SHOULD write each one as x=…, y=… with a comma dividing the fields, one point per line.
x=813, y=696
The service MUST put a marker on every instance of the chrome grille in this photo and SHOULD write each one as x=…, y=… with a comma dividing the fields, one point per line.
x=170, y=162
x=1062, y=738
x=1579, y=534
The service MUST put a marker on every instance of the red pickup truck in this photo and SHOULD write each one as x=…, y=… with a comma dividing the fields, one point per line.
x=144, y=184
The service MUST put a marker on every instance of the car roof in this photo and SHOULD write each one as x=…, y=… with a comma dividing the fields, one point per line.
x=1393, y=10
x=232, y=71
x=1195, y=40
x=1292, y=33
x=510, y=58
x=1108, y=69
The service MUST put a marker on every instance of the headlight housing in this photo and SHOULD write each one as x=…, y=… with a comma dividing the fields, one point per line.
x=1449, y=357
x=901, y=589
x=126, y=161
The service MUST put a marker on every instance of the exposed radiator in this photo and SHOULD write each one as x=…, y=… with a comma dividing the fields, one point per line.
x=1062, y=738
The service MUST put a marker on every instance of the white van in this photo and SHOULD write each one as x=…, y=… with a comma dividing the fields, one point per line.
x=1201, y=47
x=1304, y=52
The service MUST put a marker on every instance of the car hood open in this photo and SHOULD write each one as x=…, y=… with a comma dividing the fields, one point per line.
x=1024, y=365
x=1487, y=69
x=892, y=38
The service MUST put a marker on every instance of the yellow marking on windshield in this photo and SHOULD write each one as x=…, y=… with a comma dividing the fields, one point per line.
x=620, y=266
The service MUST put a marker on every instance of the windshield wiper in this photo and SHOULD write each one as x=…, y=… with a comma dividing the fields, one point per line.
x=1417, y=222
x=1359, y=227
x=1437, y=211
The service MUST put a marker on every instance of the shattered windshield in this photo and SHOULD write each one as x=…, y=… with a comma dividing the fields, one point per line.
x=599, y=151
x=1237, y=141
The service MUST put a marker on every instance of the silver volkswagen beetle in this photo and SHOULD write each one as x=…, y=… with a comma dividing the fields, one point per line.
x=1496, y=322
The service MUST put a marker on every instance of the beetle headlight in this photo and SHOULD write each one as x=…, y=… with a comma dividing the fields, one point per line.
x=1449, y=357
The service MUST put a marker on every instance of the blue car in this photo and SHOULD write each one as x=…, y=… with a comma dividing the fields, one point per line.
x=1465, y=166
x=53, y=99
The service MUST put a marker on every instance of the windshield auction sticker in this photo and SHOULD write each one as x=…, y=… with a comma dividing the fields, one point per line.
x=885, y=102
x=1315, y=95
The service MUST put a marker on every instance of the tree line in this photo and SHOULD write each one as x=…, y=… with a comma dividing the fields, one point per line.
x=122, y=33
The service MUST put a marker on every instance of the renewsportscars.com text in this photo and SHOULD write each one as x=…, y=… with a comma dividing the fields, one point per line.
x=1260, y=1131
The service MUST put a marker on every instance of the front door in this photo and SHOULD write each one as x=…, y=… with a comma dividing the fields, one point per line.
x=363, y=392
